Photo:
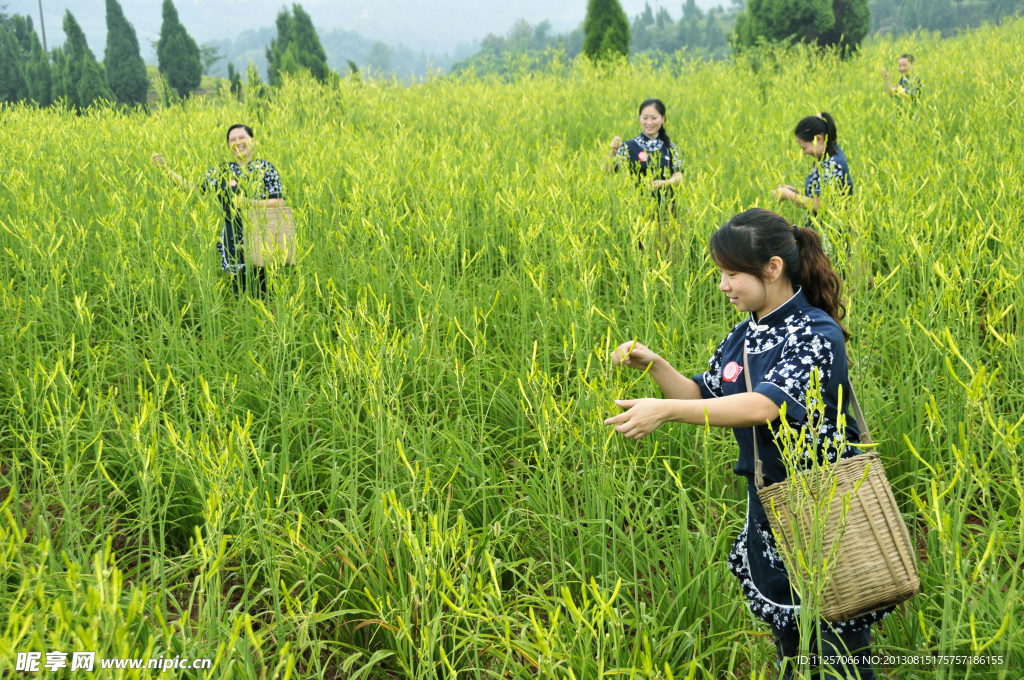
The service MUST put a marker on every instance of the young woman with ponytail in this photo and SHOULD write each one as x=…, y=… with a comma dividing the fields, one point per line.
x=780, y=275
x=817, y=137
x=650, y=152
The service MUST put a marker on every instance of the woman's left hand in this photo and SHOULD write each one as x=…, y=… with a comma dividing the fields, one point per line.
x=658, y=183
x=643, y=417
x=783, y=193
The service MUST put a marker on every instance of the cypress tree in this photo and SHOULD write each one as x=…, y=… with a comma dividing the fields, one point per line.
x=92, y=86
x=781, y=20
x=235, y=79
x=126, y=72
x=853, y=21
x=605, y=29
x=37, y=74
x=178, y=54
x=58, y=91
x=76, y=53
x=21, y=26
x=297, y=46
x=13, y=87
x=309, y=51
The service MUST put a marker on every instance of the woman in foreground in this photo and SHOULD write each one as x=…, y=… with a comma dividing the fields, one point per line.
x=780, y=275
x=240, y=184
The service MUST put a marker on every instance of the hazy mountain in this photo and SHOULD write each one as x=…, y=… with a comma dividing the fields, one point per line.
x=432, y=27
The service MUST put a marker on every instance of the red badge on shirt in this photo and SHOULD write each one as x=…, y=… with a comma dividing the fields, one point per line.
x=234, y=183
x=643, y=156
x=732, y=371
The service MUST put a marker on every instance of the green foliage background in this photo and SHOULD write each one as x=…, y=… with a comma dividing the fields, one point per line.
x=398, y=467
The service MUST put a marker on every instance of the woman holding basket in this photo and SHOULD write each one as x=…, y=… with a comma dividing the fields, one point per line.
x=239, y=185
x=780, y=275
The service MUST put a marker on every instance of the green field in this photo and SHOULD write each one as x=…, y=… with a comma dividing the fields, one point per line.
x=397, y=468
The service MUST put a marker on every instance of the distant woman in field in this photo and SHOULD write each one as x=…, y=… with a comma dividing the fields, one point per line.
x=780, y=275
x=909, y=86
x=650, y=153
x=238, y=185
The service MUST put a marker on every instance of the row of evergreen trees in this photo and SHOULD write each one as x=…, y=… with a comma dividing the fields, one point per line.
x=947, y=16
x=695, y=30
x=71, y=73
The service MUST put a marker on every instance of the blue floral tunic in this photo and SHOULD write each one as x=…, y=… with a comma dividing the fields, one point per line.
x=911, y=87
x=783, y=348
x=643, y=154
x=830, y=170
x=260, y=181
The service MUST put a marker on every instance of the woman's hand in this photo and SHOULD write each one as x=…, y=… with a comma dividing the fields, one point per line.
x=784, y=192
x=885, y=73
x=158, y=161
x=616, y=143
x=634, y=355
x=643, y=417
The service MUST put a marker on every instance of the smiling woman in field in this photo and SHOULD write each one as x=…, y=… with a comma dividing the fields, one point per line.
x=908, y=87
x=239, y=184
x=780, y=275
x=650, y=153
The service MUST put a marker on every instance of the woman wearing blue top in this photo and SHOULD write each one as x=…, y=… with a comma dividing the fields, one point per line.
x=245, y=183
x=909, y=86
x=651, y=153
x=780, y=275
x=817, y=137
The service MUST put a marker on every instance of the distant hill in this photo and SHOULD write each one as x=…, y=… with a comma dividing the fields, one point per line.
x=341, y=47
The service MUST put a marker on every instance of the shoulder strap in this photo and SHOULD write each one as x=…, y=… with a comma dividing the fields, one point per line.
x=858, y=415
x=758, y=477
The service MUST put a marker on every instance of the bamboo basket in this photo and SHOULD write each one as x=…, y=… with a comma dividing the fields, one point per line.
x=270, y=237
x=876, y=565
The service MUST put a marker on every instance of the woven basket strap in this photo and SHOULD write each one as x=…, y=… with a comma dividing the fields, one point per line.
x=758, y=477
x=862, y=424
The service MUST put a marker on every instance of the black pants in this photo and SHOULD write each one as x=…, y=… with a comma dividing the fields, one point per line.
x=252, y=280
x=853, y=646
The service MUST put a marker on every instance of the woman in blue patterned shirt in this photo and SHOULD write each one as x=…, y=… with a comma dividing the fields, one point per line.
x=909, y=86
x=650, y=154
x=780, y=275
x=817, y=137
x=239, y=184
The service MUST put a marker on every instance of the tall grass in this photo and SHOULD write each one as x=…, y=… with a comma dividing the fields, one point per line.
x=397, y=468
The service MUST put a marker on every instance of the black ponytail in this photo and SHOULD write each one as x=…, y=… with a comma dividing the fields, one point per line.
x=662, y=133
x=748, y=241
x=823, y=124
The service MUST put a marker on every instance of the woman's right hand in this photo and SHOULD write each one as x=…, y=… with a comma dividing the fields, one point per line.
x=616, y=143
x=158, y=161
x=634, y=355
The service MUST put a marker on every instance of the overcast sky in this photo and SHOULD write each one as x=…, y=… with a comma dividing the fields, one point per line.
x=436, y=26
